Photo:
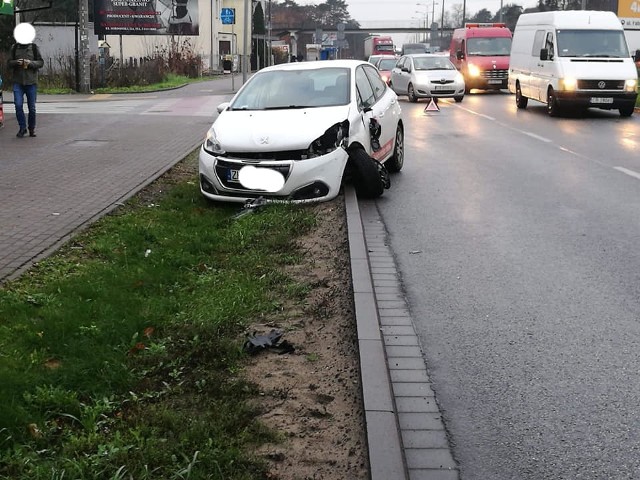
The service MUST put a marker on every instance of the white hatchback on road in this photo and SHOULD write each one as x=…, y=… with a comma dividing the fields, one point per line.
x=295, y=130
x=425, y=75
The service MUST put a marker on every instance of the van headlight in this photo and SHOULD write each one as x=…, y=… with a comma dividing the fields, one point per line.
x=630, y=85
x=211, y=143
x=474, y=71
x=569, y=84
x=336, y=136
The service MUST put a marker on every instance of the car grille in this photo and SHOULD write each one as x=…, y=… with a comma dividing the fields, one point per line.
x=441, y=82
x=266, y=156
x=601, y=84
x=499, y=74
x=223, y=167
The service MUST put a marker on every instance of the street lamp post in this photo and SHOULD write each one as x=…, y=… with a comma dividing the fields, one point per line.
x=433, y=14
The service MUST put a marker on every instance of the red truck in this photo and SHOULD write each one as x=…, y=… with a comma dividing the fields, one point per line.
x=481, y=52
x=378, y=45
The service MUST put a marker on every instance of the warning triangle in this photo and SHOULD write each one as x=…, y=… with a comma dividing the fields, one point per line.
x=432, y=106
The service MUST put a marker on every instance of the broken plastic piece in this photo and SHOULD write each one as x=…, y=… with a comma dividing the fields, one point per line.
x=251, y=206
x=257, y=343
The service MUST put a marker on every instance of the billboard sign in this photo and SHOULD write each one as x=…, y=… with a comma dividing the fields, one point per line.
x=629, y=14
x=146, y=17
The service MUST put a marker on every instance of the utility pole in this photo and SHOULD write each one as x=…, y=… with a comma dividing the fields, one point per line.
x=82, y=52
x=245, y=54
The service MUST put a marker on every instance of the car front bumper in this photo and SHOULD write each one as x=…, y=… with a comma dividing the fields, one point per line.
x=311, y=180
x=447, y=90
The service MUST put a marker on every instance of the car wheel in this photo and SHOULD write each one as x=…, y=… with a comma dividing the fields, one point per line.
x=411, y=93
x=521, y=102
x=626, y=111
x=395, y=163
x=459, y=98
x=552, y=104
x=366, y=176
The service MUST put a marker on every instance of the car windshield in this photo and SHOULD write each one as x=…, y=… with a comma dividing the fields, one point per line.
x=592, y=43
x=387, y=64
x=433, y=63
x=489, y=47
x=282, y=89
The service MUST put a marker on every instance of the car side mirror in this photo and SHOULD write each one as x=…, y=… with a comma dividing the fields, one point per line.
x=222, y=107
x=459, y=55
x=544, y=54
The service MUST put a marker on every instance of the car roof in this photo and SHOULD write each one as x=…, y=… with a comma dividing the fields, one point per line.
x=351, y=64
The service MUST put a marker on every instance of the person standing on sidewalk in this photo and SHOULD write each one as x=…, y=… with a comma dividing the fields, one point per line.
x=24, y=62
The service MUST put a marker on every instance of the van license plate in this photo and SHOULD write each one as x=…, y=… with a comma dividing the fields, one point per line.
x=601, y=100
x=494, y=81
x=232, y=176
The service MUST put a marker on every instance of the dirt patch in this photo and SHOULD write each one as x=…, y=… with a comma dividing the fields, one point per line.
x=313, y=395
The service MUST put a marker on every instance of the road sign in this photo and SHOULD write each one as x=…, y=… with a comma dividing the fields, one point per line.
x=228, y=16
x=6, y=7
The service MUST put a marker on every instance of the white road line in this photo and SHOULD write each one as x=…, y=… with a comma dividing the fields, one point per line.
x=533, y=135
x=628, y=172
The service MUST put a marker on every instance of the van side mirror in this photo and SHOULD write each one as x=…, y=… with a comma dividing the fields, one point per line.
x=544, y=54
x=459, y=55
x=636, y=57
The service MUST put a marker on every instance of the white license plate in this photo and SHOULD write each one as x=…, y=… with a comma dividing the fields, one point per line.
x=441, y=87
x=601, y=100
x=232, y=175
x=494, y=81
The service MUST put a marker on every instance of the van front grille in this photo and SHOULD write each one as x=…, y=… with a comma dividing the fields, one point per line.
x=601, y=84
x=500, y=74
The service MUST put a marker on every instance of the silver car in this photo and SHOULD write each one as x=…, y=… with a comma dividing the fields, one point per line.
x=424, y=75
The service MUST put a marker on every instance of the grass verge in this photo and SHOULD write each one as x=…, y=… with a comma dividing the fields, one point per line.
x=121, y=354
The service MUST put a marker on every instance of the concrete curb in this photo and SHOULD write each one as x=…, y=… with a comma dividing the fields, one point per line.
x=383, y=433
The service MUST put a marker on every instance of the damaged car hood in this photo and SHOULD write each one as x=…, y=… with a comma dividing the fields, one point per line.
x=275, y=130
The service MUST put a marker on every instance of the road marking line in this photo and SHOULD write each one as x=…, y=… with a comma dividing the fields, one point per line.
x=537, y=137
x=628, y=172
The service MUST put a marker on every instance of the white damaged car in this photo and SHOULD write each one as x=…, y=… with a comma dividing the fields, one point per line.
x=295, y=131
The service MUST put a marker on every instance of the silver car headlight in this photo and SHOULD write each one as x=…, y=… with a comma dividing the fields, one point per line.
x=211, y=143
x=336, y=136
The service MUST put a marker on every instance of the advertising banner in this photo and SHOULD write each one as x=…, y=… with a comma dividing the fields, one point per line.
x=629, y=14
x=146, y=17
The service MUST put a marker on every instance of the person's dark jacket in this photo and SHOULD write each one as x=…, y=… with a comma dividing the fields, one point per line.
x=29, y=75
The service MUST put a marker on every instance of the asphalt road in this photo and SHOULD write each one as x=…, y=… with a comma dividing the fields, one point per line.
x=517, y=237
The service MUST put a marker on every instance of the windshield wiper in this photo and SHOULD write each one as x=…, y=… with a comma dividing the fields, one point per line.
x=286, y=107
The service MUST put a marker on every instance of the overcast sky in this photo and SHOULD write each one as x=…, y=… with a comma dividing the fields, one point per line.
x=397, y=11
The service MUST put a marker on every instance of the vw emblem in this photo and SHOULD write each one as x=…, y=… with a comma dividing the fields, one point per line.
x=601, y=84
x=264, y=140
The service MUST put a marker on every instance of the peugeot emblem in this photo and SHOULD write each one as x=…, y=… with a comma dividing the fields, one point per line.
x=601, y=84
x=264, y=140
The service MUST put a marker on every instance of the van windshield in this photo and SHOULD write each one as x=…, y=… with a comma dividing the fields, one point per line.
x=488, y=47
x=592, y=43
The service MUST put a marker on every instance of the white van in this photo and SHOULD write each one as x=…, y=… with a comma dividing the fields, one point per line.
x=572, y=58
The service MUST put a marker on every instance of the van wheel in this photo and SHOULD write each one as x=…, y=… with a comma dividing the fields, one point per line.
x=521, y=102
x=411, y=93
x=395, y=163
x=626, y=111
x=553, y=109
x=366, y=177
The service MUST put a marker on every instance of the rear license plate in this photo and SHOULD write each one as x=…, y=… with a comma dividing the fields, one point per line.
x=232, y=175
x=494, y=81
x=601, y=100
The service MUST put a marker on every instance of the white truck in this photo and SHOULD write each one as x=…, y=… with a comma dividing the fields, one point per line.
x=572, y=58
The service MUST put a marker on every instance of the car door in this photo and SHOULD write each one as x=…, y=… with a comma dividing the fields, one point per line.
x=400, y=78
x=383, y=106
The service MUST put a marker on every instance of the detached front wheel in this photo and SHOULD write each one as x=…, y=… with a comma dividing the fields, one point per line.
x=365, y=175
x=395, y=163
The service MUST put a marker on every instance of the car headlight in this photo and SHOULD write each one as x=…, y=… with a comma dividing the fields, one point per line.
x=336, y=136
x=569, y=84
x=630, y=85
x=474, y=71
x=211, y=143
